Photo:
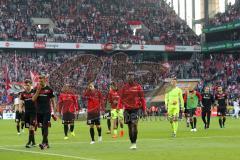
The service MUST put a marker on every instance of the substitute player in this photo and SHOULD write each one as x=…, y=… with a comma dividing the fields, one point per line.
x=172, y=99
x=222, y=102
x=207, y=102
x=108, y=112
x=68, y=107
x=30, y=111
x=19, y=115
x=117, y=109
x=192, y=98
x=186, y=111
x=236, y=108
x=45, y=101
x=94, y=104
x=132, y=99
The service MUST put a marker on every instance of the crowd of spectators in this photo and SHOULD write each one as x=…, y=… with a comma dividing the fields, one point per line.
x=94, y=21
x=76, y=69
x=80, y=69
x=216, y=70
x=231, y=14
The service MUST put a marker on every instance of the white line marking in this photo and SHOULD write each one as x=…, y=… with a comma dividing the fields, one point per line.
x=157, y=139
x=140, y=140
x=44, y=153
x=117, y=141
x=60, y=143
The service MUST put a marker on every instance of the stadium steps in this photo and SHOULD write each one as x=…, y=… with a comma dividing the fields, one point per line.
x=44, y=21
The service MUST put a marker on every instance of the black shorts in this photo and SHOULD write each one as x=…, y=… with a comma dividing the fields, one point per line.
x=108, y=113
x=93, y=118
x=185, y=110
x=131, y=116
x=93, y=121
x=68, y=118
x=221, y=111
x=191, y=112
x=30, y=119
x=19, y=116
x=43, y=119
x=206, y=109
x=93, y=115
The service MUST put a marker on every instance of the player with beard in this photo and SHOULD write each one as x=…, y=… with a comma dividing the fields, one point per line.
x=68, y=107
x=30, y=111
x=132, y=99
x=207, y=102
x=45, y=103
x=222, y=102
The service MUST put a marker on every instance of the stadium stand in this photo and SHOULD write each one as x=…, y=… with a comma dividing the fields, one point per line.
x=93, y=22
x=66, y=21
x=232, y=13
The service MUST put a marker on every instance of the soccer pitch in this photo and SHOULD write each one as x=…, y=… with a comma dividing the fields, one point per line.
x=154, y=142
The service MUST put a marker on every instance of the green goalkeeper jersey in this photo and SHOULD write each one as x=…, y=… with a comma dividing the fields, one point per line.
x=174, y=98
x=192, y=101
x=108, y=106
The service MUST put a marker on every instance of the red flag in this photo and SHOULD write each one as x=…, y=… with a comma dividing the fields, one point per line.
x=6, y=77
x=16, y=66
x=134, y=25
x=34, y=78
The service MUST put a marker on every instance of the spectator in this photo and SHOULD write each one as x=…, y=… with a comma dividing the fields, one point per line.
x=94, y=22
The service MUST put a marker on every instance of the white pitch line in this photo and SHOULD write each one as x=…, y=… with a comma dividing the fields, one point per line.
x=145, y=139
x=44, y=153
x=209, y=137
x=59, y=143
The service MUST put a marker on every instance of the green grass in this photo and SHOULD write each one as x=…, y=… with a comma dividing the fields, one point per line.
x=154, y=142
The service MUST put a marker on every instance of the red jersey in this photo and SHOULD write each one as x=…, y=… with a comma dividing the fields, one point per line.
x=114, y=99
x=94, y=100
x=132, y=97
x=68, y=102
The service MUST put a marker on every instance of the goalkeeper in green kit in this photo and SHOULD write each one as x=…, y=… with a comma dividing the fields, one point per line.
x=172, y=99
